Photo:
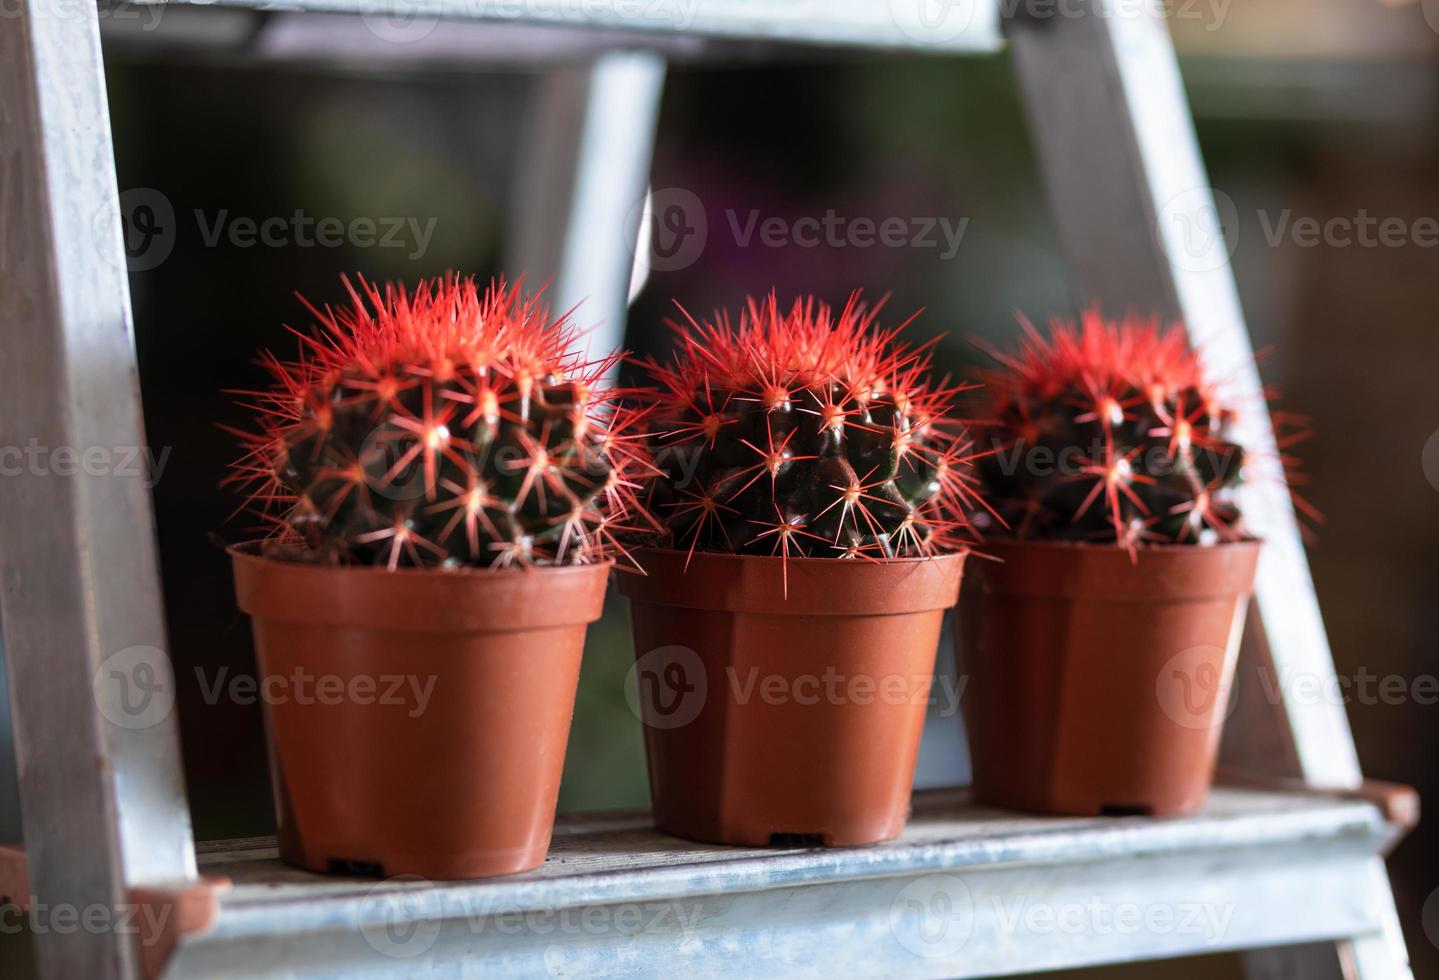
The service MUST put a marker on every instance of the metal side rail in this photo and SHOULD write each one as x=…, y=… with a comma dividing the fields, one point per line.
x=966, y=892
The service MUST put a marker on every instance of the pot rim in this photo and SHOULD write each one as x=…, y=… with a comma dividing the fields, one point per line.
x=776, y=559
x=1095, y=546
x=249, y=551
x=417, y=600
x=719, y=581
x=1107, y=573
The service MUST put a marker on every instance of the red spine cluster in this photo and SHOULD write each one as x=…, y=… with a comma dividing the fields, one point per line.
x=442, y=426
x=800, y=431
x=1110, y=432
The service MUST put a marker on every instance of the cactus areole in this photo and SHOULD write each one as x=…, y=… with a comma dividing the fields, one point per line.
x=446, y=426
x=1108, y=432
x=801, y=432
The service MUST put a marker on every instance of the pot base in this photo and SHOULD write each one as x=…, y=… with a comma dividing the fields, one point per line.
x=1098, y=684
x=759, y=833
x=398, y=863
x=1157, y=804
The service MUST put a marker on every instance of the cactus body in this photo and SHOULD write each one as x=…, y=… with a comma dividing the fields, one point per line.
x=442, y=427
x=802, y=433
x=1108, y=432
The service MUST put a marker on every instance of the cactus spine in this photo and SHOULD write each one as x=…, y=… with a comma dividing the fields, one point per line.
x=1108, y=432
x=444, y=426
x=800, y=432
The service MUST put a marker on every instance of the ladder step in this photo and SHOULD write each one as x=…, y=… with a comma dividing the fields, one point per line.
x=918, y=25
x=966, y=891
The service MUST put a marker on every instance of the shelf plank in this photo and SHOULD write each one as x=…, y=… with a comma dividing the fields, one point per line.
x=966, y=891
x=910, y=25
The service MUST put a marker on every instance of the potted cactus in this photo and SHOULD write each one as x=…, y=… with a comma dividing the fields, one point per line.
x=1102, y=643
x=814, y=496
x=444, y=478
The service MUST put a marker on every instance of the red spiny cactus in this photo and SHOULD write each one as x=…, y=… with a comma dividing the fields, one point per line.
x=442, y=427
x=1109, y=432
x=800, y=432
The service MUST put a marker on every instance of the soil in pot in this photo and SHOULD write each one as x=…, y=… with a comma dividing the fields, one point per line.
x=1097, y=684
x=417, y=720
x=785, y=720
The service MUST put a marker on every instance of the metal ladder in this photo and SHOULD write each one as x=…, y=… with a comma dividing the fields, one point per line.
x=103, y=800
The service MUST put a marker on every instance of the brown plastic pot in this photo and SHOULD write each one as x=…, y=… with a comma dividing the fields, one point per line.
x=1097, y=684
x=373, y=774
x=785, y=720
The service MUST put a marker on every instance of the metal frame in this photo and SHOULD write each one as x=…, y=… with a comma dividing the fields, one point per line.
x=584, y=170
x=965, y=892
x=961, y=26
x=98, y=752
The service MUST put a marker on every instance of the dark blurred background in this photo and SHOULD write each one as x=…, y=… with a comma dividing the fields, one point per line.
x=1305, y=109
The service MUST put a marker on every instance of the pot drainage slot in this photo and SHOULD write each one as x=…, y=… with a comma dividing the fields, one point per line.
x=344, y=866
x=796, y=840
x=1125, y=810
